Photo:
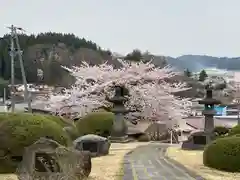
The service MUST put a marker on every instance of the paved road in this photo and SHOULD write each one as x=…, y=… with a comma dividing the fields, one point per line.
x=150, y=163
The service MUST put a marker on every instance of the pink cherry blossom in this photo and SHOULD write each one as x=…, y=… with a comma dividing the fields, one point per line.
x=149, y=93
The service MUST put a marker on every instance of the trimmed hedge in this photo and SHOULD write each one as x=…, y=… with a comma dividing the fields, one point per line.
x=235, y=130
x=99, y=123
x=57, y=120
x=68, y=127
x=72, y=132
x=19, y=130
x=223, y=154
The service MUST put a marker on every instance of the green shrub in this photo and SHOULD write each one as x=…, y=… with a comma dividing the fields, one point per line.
x=62, y=122
x=223, y=154
x=221, y=130
x=234, y=130
x=68, y=125
x=99, y=123
x=19, y=130
x=144, y=138
x=72, y=132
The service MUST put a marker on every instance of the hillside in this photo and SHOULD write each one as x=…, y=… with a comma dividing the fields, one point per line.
x=48, y=51
x=198, y=62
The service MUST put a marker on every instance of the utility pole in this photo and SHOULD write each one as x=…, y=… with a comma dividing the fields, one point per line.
x=12, y=54
x=19, y=53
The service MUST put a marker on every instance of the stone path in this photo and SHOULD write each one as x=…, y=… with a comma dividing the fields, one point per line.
x=150, y=163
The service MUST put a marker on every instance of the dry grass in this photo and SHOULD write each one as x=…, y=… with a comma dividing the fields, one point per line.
x=108, y=167
x=193, y=161
x=8, y=177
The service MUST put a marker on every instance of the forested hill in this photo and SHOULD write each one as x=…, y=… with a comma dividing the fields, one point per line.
x=199, y=62
x=48, y=51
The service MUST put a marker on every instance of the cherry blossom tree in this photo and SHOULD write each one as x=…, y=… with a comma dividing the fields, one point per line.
x=149, y=93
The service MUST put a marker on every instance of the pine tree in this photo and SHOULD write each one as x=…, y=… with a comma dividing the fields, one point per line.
x=188, y=73
x=202, y=75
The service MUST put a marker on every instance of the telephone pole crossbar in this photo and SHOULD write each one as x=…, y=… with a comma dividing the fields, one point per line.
x=13, y=52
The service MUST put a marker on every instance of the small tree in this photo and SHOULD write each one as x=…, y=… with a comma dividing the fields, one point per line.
x=203, y=75
x=187, y=73
x=135, y=55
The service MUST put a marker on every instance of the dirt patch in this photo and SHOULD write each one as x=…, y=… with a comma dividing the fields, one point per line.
x=108, y=167
x=193, y=161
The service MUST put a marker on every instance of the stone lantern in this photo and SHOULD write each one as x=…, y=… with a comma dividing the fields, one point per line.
x=209, y=111
x=119, y=128
x=197, y=140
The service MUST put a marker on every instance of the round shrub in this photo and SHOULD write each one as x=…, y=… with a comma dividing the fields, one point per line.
x=144, y=138
x=68, y=125
x=59, y=120
x=72, y=132
x=223, y=154
x=221, y=130
x=99, y=123
x=19, y=130
x=234, y=130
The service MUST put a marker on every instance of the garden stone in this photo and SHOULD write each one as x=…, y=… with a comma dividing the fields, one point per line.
x=198, y=140
x=46, y=159
x=97, y=145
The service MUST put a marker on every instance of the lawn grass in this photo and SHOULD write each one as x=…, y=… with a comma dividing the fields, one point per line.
x=193, y=160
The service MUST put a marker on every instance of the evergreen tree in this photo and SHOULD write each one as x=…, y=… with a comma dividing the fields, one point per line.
x=135, y=55
x=187, y=73
x=202, y=75
x=43, y=41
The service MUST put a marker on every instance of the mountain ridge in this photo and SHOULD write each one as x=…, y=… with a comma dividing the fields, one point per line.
x=199, y=62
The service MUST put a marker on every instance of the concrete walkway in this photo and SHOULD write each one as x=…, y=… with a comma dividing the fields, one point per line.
x=150, y=163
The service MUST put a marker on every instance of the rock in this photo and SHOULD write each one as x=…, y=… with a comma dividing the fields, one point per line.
x=95, y=144
x=49, y=160
x=198, y=140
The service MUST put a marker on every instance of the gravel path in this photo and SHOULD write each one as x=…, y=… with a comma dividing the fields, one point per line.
x=150, y=163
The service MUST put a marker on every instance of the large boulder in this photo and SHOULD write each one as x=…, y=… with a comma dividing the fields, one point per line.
x=48, y=159
x=97, y=145
x=198, y=140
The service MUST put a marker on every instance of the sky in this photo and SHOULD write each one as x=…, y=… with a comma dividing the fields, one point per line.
x=162, y=27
